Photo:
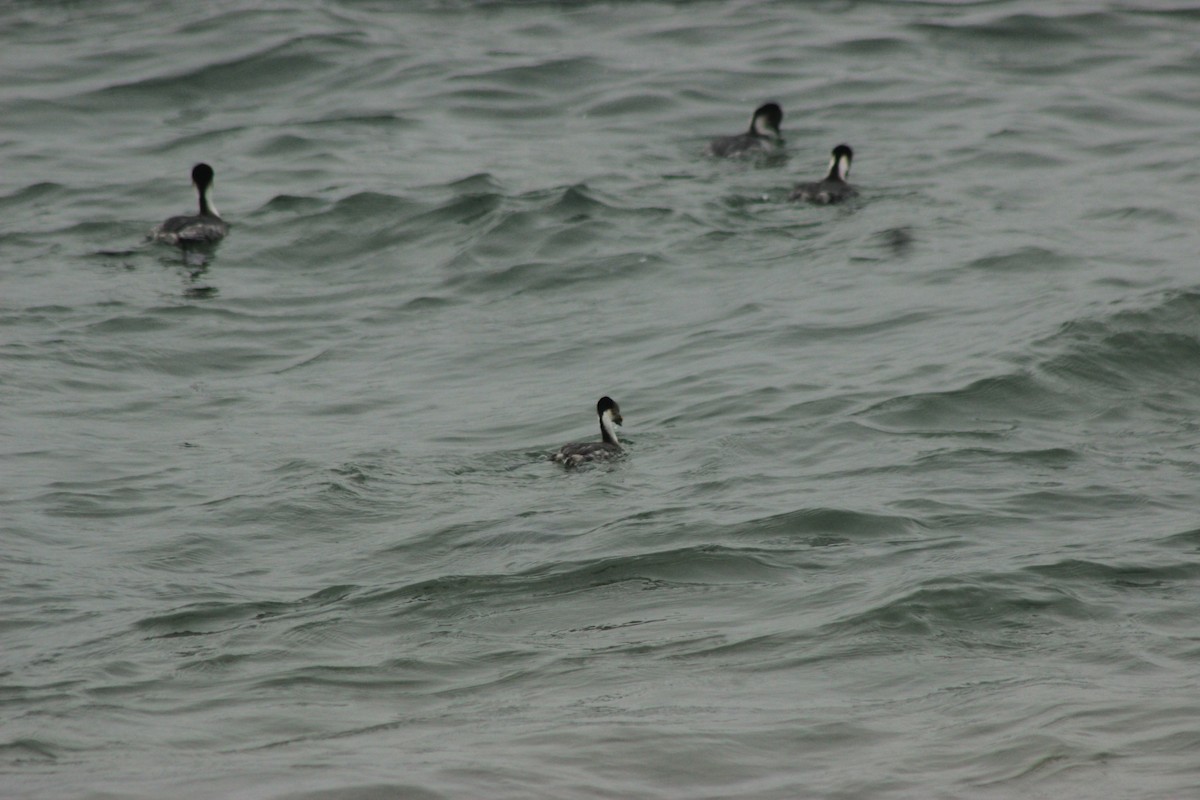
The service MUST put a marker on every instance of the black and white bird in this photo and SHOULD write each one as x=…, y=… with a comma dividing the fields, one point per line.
x=204, y=228
x=833, y=189
x=608, y=447
x=763, y=136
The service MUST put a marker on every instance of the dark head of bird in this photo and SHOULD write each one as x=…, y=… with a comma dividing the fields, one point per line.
x=608, y=404
x=766, y=120
x=202, y=176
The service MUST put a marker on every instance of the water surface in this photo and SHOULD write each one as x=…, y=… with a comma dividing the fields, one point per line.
x=909, y=508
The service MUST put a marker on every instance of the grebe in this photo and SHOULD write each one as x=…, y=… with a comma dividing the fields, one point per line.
x=834, y=188
x=207, y=227
x=608, y=447
x=763, y=136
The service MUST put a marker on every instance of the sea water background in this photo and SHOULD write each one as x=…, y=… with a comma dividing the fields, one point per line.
x=912, y=507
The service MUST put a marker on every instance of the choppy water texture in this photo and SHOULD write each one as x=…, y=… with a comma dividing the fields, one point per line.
x=910, y=508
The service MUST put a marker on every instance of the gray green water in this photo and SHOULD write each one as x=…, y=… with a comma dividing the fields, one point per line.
x=911, y=503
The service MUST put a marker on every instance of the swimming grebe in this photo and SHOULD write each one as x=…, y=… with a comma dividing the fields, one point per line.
x=207, y=227
x=763, y=136
x=608, y=447
x=834, y=188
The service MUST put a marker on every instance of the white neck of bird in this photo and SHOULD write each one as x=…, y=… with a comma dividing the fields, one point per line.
x=608, y=428
x=762, y=127
x=207, y=206
x=839, y=166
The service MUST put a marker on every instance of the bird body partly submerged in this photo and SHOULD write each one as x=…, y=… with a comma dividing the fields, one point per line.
x=198, y=229
x=204, y=228
x=834, y=188
x=763, y=136
x=576, y=453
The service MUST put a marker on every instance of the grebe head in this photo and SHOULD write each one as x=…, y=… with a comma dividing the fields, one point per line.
x=839, y=163
x=765, y=121
x=607, y=408
x=202, y=176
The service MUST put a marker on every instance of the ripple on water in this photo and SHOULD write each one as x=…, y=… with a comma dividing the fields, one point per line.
x=909, y=508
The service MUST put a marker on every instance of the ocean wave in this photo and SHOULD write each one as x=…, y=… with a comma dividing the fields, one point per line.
x=1088, y=365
